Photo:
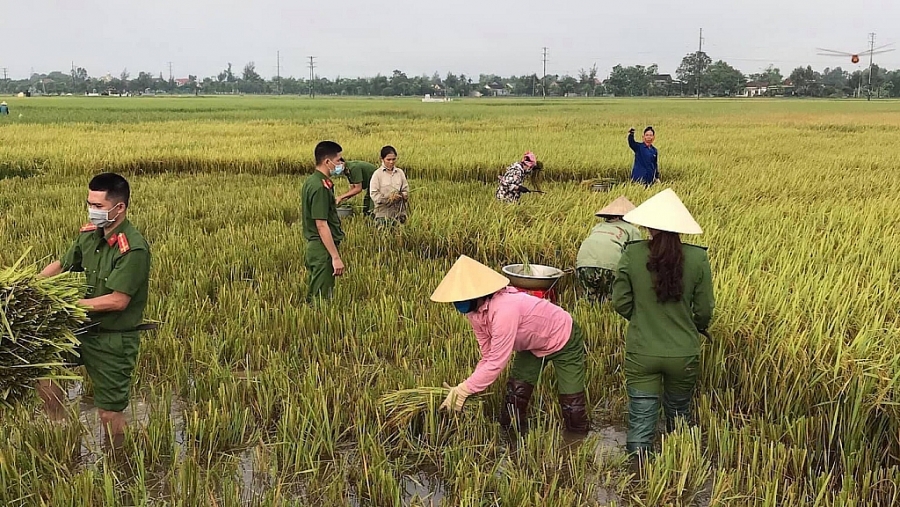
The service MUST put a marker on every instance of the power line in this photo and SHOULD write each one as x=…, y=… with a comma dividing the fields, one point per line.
x=312, y=70
x=544, y=77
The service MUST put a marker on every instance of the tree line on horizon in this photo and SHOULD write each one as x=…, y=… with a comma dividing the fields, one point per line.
x=698, y=73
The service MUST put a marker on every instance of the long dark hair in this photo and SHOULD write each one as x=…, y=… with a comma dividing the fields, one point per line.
x=666, y=265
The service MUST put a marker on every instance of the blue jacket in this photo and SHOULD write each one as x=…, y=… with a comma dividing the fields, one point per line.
x=646, y=162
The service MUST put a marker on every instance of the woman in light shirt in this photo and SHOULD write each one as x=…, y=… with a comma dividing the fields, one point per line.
x=529, y=331
x=389, y=189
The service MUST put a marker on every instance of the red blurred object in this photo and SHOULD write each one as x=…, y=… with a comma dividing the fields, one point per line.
x=549, y=295
x=855, y=59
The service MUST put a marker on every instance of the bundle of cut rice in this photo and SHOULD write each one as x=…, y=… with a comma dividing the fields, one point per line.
x=38, y=321
x=403, y=406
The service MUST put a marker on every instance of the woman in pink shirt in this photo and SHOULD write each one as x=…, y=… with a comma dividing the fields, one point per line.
x=506, y=320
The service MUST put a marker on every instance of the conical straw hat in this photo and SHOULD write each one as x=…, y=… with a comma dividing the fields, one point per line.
x=664, y=212
x=468, y=279
x=617, y=208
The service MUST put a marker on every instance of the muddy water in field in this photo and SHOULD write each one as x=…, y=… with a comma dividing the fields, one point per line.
x=250, y=467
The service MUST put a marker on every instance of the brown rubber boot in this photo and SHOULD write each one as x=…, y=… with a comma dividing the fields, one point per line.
x=518, y=395
x=574, y=412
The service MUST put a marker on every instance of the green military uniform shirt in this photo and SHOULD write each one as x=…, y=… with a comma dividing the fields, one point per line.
x=318, y=204
x=663, y=329
x=360, y=173
x=119, y=263
x=604, y=246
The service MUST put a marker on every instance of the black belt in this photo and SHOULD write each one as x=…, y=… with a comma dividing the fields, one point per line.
x=147, y=326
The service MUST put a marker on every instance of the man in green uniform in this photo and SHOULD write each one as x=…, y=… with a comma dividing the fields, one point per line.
x=664, y=288
x=359, y=174
x=115, y=259
x=321, y=224
x=599, y=253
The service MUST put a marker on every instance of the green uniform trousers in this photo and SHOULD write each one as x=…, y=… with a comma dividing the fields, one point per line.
x=109, y=358
x=646, y=377
x=319, y=271
x=368, y=205
x=597, y=283
x=569, y=363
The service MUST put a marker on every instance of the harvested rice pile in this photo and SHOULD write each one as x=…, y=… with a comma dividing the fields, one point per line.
x=38, y=321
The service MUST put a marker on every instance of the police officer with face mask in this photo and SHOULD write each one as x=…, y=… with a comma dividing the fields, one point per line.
x=115, y=259
x=321, y=223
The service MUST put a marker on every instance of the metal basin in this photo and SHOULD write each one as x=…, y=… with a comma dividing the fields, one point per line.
x=345, y=211
x=540, y=277
x=603, y=185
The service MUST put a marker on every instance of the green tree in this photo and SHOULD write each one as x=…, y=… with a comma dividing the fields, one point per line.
x=771, y=75
x=835, y=82
x=807, y=82
x=250, y=73
x=725, y=80
x=587, y=81
x=691, y=65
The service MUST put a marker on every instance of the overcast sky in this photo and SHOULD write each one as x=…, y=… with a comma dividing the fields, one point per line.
x=366, y=37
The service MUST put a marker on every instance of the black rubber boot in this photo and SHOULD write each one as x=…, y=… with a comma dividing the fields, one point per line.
x=515, y=405
x=574, y=412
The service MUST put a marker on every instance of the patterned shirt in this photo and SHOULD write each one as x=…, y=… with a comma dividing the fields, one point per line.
x=508, y=191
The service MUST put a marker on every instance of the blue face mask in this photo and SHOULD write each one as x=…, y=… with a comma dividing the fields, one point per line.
x=465, y=306
x=338, y=170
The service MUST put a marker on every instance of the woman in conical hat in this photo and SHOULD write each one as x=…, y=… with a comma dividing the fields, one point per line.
x=511, y=182
x=600, y=251
x=664, y=288
x=514, y=325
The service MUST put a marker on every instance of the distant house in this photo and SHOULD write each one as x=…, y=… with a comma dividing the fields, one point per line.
x=496, y=89
x=182, y=81
x=755, y=89
x=664, y=84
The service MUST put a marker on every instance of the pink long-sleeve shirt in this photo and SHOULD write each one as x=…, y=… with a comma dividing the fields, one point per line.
x=510, y=321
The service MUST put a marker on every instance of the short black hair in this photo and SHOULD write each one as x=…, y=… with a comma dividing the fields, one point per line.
x=115, y=186
x=327, y=149
x=649, y=129
x=388, y=150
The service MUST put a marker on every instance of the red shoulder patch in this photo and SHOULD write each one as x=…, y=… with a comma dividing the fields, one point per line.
x=328, y=184
x=88, y=228
x=123, y=243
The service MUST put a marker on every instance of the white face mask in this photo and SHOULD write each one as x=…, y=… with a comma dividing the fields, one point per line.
x=100, y=217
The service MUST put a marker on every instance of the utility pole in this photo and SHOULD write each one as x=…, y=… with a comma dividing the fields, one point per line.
x=312, y=70
x=544, y=78
x=871, y=58
x=699, y=52
x=171, y=76
x=278, y=69
x=5, y=71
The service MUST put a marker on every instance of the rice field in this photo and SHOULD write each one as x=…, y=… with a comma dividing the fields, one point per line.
x=246, y=396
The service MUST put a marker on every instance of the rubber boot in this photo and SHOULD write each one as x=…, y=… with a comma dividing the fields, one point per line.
x=574, y=412
x=515, y=405
x=676, y=405
x=643, y=415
